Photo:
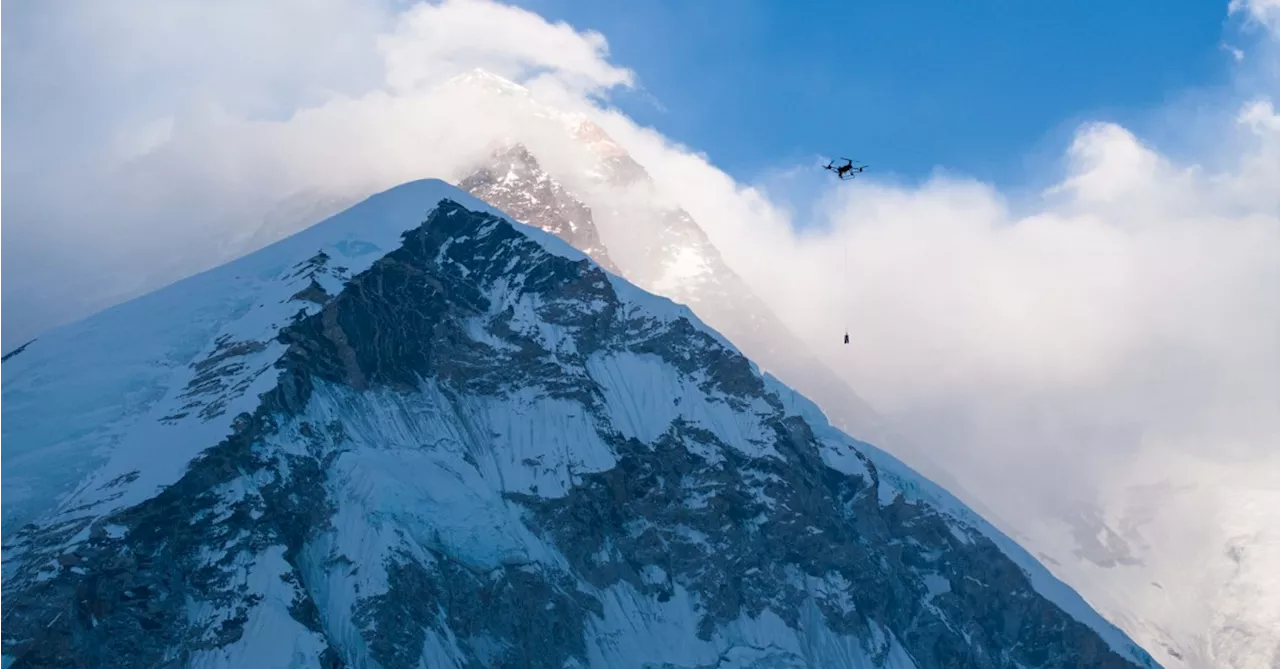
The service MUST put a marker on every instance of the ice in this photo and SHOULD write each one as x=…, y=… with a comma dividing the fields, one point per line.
x=440, y=502
x=640, y=393
x=638, y=632
x=644, y=396
x=272, y=638
x=936, y=584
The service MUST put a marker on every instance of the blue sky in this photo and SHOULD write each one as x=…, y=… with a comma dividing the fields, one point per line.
x=978, y=86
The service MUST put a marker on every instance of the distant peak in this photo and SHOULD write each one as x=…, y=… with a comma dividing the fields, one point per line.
x=486, y=80
x=507, y=156
x=514, y=152
x=595, y=137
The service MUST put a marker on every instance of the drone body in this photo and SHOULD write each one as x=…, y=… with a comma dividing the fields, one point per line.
x=846, y=171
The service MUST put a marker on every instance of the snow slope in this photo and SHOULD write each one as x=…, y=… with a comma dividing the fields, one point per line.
x=83, y=403
x=420, y=435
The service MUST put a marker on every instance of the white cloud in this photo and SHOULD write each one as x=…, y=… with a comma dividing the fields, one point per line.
x=432, y=43
x=1261, y=117
x=1108, y=344
x=1264, y=12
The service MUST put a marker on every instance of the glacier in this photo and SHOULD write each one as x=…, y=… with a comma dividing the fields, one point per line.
x=421, y=434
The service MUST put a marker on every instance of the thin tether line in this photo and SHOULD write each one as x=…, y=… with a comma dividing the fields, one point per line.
x=845, y=307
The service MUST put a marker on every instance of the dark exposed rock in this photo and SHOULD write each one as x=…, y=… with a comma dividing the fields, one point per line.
x=15, y=351
x=219, y=378
x=818, y=524
x=314, y=292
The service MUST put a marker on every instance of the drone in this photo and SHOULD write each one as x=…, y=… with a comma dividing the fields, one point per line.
x=846, y=171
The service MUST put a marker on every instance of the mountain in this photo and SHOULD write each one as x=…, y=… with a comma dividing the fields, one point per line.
x=515, y=183
x=418, y=434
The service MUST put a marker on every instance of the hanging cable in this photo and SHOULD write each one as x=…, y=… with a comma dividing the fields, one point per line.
x=845, y=284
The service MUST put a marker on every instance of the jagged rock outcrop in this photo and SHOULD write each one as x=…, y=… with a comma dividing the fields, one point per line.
x=513, y=181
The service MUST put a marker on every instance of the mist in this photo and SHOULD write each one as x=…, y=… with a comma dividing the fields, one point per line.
x=173, y=129
x=1096, y=363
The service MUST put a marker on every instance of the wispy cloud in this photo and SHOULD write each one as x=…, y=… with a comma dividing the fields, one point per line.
x=1263, y=12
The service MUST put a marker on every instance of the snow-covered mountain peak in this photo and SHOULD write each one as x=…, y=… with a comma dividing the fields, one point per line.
x=579, y=127
x=595, y=137
x=421, y=435
x=513, y=181
x=485, y=80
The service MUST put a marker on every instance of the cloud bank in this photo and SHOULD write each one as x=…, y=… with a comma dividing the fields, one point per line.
x=1096, y=364
x=1265, y=13
x=154, y=134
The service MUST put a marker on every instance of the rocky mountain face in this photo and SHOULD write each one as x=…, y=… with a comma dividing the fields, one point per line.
x=514, y=182
x=421, y=435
